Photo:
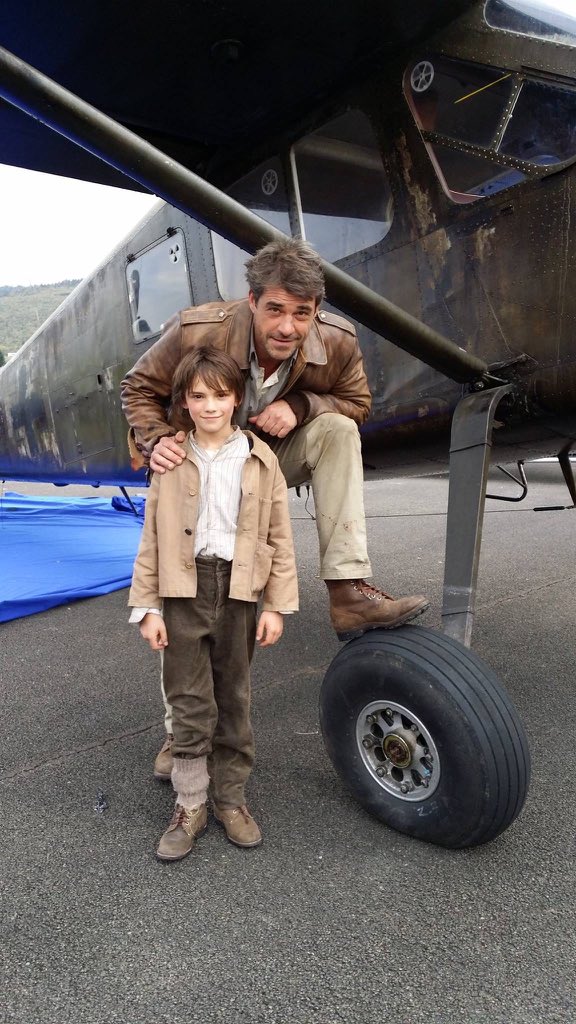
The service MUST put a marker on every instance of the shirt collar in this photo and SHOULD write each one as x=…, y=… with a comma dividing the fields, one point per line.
x=229, y=440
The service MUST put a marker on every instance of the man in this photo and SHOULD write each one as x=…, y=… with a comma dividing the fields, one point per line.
x=306, y=393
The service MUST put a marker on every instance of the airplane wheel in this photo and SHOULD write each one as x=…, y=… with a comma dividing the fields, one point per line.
x=424, y=736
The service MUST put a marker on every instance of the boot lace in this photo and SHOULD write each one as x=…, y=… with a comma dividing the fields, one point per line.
x=372, y=593
x=183, y=817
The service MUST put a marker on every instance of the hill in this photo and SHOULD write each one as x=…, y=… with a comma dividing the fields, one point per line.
x=24, y=309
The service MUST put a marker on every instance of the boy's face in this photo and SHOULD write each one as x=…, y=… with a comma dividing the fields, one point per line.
x=211, y=410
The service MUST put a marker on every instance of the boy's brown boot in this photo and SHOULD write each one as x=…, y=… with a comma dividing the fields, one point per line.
x=185, y=827
x=164, y=760
x=240, y=826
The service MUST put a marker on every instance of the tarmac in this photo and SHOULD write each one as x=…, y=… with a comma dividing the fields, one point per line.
x=335, y=918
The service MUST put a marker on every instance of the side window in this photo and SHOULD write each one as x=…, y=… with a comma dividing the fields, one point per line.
x=158, y=285
x=263, y=191
x=346, y=203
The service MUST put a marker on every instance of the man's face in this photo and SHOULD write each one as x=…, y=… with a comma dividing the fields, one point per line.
x=282, y=322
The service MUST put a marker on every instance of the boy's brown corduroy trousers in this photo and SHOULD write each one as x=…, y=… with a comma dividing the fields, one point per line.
x=206, y=676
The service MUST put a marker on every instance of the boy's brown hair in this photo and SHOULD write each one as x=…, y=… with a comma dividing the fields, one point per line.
x=216, y=369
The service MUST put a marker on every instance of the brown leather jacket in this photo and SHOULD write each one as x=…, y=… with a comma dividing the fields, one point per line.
x=327, y=375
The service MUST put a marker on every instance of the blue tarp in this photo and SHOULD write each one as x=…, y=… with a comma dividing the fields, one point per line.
x=56, y=550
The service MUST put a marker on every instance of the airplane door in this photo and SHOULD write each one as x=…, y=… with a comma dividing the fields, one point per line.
x=82, y=418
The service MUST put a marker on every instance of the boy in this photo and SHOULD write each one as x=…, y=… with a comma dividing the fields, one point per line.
x=216, y=535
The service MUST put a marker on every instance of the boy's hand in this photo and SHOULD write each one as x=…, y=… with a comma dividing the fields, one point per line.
x=168, y=453
x=270, y=628
x=153, y=629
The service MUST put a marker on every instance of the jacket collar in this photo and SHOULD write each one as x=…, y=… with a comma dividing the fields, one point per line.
x=257, y=447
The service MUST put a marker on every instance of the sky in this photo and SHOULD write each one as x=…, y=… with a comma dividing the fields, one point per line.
x=53, y=229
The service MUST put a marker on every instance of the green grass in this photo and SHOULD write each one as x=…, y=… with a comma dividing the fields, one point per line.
x=24, y=309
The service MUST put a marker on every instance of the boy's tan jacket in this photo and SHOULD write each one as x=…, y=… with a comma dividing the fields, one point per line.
x=263, y=552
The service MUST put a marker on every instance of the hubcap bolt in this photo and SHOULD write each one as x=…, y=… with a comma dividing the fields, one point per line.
x=381, y=772
x=404, y=788
x=367, y=741
x=371, y=719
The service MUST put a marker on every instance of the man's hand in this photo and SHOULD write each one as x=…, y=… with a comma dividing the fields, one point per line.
x=153, y=629
x=270, y=628
x=168, y=453
x=276, y=419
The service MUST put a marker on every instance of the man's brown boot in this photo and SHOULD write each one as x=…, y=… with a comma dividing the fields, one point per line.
x=356, y=606
x=185, y=827
x=164, y=760
x=240, y=826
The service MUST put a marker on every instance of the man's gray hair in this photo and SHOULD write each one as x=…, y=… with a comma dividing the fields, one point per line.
x=289, y=263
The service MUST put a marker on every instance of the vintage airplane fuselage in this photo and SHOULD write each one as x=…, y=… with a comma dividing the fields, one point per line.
x=446, y=182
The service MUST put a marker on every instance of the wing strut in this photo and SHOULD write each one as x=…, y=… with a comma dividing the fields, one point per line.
x=43, y=99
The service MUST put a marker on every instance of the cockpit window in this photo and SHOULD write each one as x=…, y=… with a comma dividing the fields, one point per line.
x=263, y=191
x=158, y=283
x=542, y=128
x=554, y=20
x=463, y=101
x=487, y=128
x=473, y=176
x=346, y=203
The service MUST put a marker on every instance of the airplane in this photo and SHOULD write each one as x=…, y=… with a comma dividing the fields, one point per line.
x=428, y=152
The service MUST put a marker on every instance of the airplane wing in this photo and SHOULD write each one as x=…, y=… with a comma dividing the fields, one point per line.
x=196, y=79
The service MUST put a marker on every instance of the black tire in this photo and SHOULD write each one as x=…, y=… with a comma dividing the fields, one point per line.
x=469, y=763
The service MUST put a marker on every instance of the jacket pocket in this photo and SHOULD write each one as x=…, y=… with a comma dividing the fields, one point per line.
x=264, y=512
x=262, y=565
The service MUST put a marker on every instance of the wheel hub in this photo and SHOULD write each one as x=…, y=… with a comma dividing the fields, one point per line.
x=398, y=750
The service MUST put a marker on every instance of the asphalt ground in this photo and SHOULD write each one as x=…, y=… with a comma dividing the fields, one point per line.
x=335, y=918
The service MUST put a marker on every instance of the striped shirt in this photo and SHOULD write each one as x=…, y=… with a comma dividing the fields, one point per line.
x=220, y=493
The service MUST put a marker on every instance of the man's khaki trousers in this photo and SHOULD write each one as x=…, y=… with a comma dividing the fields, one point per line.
x=327, y=453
